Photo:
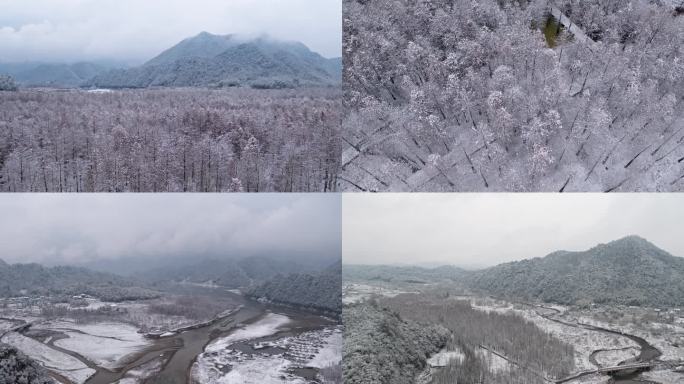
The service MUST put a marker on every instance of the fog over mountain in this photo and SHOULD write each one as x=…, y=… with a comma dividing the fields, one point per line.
x=103, y=228
x=68, y=31
x=223, y=61
x=66, y=43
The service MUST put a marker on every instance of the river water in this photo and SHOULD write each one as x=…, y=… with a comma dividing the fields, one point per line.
x=647, y=351
x=180, y=351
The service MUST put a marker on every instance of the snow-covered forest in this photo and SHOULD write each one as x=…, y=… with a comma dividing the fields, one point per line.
x=185, y=140
x=472, y=329
x=500, y=95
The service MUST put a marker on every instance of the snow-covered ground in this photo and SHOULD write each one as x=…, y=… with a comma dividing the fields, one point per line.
x=354, y=293
x=583, y=340
x=614, y=357
x=105, y=344
x=259, y=370
x=61, y=363
x=208, y=367
x=264, y=327
x=221, y=364
x=443, y=357
x=659, y=335
x=331, y=353
x=664, y=376
x=6, y=326
x=139, y=374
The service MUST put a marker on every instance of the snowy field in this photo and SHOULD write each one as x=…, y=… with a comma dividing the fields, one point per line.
x=331, y=352
x=222, y=363
x=355, y=293
x=143, y=372
x=105, y=344
x=264, y=327
x=666, y=337
x=56, y=361
x=614, y=357
x=443, y=357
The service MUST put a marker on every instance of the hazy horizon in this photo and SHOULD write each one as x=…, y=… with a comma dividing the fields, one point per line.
x=69, y=31
x=71, y=229
x=481, y=230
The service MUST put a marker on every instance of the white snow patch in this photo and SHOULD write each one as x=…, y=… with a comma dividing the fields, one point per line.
x=105, y=344
x=264, y=327
x=138, y=374
x=331, y=353
x=313, y=349
x=614, y=357
x=355, y=293
x=443, y=357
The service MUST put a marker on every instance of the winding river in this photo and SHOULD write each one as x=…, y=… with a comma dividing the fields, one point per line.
x=180, y=351
x=647, y=351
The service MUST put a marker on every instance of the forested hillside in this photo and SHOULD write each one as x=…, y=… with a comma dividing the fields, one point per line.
x=230, y=273
x=320, y=291
x=7, y=83
x=380, y=347
x=630, y=271
x=35, y=279
x=495, y=95
x=507, y=333
x=17, y=368
x=188, y=140
x=228, y=61
x=404, y=274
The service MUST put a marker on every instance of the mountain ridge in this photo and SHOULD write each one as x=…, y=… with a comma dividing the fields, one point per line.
x=228, y=60
x=36, y=279
x=629, y=271
x=626, y=271
x=203, y=60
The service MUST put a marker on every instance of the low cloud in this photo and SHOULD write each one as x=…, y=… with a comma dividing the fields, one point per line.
x=135, y=31
x=75, y=229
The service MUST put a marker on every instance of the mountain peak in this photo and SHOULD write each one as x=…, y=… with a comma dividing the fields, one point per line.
x=632, y=242
x=632, y=239
x=205, y=34
x=213, y=60
x=630, y=271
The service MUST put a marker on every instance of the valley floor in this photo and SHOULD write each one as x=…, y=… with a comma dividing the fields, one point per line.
x=133, y=343
x=600, y=336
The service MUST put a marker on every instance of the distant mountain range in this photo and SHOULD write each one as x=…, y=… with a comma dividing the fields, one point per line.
x=57, y=75
x=205, y=60
x=628, y=271
x=35, y=279
x=229, y=273
x=403, y=274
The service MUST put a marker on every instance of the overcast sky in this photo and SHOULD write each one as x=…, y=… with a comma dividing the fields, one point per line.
x=478, y=230
x=75, y=229
x=137, y=30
